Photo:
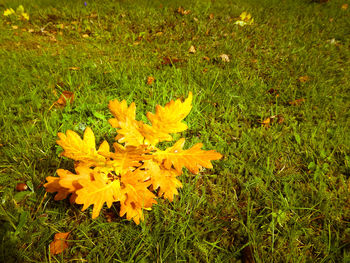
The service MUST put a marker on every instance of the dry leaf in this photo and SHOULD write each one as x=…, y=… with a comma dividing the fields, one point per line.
x=192, y=50
x=59, y=244
x=297, y=102
x=211, y=16
x=14, y=27
x=65, y=96
x=224, y=58
x=170, y=61
x=85, y=36
x=182, y=11
x=345, y=6
x=73, y=68
x=150, y=80
x=304, y=79
x=206, y=58
x=21, y=187
x=266, y=123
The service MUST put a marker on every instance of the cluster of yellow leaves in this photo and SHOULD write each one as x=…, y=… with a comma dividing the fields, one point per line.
x=245, y=19
x=136, y=170
x=19, y=13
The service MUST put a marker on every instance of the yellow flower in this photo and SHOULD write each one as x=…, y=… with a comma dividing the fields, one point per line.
x=9, y=11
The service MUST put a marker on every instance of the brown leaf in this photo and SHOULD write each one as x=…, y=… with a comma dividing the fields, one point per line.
x=192, y=50
x=62, y=100
x=345, y=6
x=170, y=61
x=303, y=79
x=211, y=16
x=297, y=102
x=21, y=187
x=59, y=243
x=150, y=80
x=206, y=58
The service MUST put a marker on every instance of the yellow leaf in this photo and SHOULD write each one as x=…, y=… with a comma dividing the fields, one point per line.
x=9, y=11
x=80, y=150
x=137, y=196
x=193, y=159
x=126, y=158
x=168, y=119
x=25, y=16
x=98, y=189
x=162, y=179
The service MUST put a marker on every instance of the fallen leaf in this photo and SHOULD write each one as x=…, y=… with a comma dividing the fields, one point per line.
x=21, y=187
x=59, y=243
x=224, y=58
x=170, y=61
x=206, y=58
x=331, y=19
x=345, y=6
x=266, y=123
x=182, y=11
x=304, y=79
x=14, y=27
x=211, y=16
x=192, y=50
x=85, y=36
x=73, y=68
x=66, y=95
x=150, y=80
x=297, y=102
x=205, y=70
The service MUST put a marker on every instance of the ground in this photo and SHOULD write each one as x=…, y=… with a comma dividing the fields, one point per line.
x=272, y=96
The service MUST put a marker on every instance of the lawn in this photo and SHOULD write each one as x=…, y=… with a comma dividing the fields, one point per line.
x=272, y=96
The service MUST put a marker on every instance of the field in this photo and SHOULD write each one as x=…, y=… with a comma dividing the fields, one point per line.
x=271, y=95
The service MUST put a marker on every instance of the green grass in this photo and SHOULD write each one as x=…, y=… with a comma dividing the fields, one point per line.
x=280, y=194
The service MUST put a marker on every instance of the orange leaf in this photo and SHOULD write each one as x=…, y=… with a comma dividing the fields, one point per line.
x=150, y=80
x=345, y=6
x=59, y=243
x=297, y=102
x=137, y=194
x=193, y=159
x=266, y=122
x=65, y=96
x=98, y=189
x=164, y=179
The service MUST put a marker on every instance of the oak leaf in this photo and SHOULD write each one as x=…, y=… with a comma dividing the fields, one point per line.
x=137, y=196
x=163, y=180
x=65, y=96
x=168, y=119
x=59, y=244
x=80, y=149
x=193, y=159
x=100, y=188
